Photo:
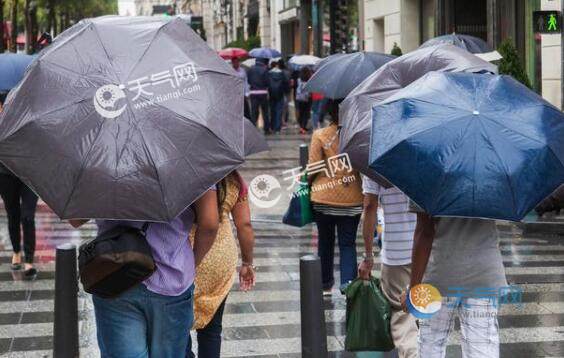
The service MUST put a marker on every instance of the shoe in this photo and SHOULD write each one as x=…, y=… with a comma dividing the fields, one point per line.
x=30, y=274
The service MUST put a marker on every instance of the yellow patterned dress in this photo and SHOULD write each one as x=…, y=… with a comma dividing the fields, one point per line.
x=216, y=272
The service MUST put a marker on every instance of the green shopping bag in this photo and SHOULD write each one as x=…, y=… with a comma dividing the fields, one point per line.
x=299, y=211
x=368, y=317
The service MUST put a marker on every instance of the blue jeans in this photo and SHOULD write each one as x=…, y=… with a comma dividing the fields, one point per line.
x=346, y=230
x=276, y=109
x=317, y=109
x=209, y=337
x=142, y=324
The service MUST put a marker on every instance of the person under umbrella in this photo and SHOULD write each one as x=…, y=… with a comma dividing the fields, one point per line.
x=303, y=99
x=20, y=203
x=356, y=109
x=236, y=63
x=258, y=83
x=127, y=132
x=471, y=148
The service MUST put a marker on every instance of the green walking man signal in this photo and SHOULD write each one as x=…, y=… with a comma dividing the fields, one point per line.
x=547, y=22
x=552, y=23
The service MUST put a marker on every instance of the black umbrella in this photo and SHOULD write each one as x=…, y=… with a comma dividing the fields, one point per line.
x=337, y=75
x=124, y=118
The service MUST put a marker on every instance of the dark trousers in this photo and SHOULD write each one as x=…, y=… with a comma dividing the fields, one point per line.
x=209, y=337
x=246, y=108
x=260, y=102
x=20, y=203
x=304, y=113
x=276, y=109
x=346, y=231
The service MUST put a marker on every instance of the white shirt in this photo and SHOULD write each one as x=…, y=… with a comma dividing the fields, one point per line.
x=243, y=75
x=399, y=223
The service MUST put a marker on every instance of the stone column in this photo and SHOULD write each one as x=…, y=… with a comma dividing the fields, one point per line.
x=264, y=23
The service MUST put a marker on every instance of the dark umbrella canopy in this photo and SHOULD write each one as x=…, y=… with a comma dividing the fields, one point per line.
x=355, y=113
x=338, y=74
x=469, y=43
x=254, y=139
x=124, y=118
x=469, y=145
x=12, y=69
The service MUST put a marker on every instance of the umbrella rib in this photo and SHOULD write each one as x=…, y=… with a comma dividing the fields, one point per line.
x=105, y=52
x=505, y=171
x=450, y=160
x=86, y=157
x=144, y=52
x=156, y=171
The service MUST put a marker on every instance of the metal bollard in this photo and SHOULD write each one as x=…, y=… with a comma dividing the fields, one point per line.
x=65, y=329
x=314, y=332
x=304, y=155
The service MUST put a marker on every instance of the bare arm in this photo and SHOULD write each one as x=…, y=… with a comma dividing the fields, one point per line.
x=207, y=221
x=422, y=244
x=369, y=222
x=242, y=219
x=245, y=235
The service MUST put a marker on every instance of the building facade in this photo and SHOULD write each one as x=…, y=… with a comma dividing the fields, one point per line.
x=409, y=23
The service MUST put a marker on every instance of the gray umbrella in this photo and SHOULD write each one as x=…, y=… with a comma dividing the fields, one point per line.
x=124, y=118
x=254, y=139
x=469, y=43
x=355, y=113
x=338, y=74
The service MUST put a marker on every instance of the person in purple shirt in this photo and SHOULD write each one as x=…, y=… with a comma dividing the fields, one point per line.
x=154, y=318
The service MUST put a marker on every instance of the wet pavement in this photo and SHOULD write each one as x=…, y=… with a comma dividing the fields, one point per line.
x=266, y=321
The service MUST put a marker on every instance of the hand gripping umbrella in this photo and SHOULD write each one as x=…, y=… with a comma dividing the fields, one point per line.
x=469, y=145
x=124, y=118
x=355, y=114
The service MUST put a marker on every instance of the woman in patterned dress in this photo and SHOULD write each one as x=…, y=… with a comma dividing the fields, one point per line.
x=216, y=272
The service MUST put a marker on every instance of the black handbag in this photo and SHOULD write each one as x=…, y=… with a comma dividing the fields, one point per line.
x=115, y=261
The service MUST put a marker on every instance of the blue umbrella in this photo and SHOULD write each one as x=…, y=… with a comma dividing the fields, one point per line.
x=469, y=145
x=469, y=43
x=12, y=69
x=264, y=52
x=337, y=75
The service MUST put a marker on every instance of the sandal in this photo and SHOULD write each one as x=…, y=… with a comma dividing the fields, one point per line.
x=16, y=266
x=30, y=274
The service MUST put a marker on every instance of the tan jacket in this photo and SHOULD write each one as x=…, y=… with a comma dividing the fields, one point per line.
x=335, y=183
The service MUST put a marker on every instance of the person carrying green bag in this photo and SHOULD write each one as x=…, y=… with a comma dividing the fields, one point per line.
x=368, y=317
x=299, y=211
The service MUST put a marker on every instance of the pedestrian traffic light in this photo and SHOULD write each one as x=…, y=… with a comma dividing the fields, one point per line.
x=547, y=22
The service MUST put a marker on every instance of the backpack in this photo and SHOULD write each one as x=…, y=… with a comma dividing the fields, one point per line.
x=115, y=261
x=301, y=94
x=277, y=85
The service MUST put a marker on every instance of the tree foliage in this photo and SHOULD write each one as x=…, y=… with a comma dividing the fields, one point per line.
x=248, y=44
x=510, y=64
x=396, y=50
